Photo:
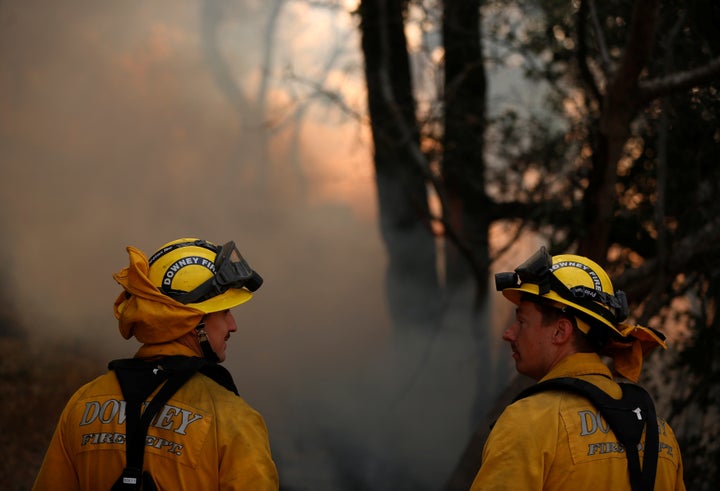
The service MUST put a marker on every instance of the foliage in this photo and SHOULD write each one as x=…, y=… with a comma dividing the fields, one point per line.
x=665, y=214
x=618, y=162
x=696, y=399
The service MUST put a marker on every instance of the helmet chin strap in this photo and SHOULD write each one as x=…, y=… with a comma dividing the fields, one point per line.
x=207, y=350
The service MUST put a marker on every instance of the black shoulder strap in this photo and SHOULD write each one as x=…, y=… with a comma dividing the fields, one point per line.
x=626, y=417
x=220, y=375
x=138, y=379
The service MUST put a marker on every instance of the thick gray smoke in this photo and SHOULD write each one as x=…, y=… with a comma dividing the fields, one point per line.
x=135, y=123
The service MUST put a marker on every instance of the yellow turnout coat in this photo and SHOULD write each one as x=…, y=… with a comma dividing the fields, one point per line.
x=557, y=441
x=205, y=437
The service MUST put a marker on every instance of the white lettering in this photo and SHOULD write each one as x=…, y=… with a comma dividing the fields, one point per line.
x=170, y=417
x=187, y=418
x=590, y=422
x=164, y=419
x=119, y=439
x=605, y=447
x=91, y=412
x=98, y=438
x=664, y=446
x=114, y=408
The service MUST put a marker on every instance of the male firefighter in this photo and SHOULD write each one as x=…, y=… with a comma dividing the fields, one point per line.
x=171, y=417
x=578, y=428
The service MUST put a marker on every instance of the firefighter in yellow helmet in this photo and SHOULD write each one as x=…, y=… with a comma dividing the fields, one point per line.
x=577, y=428
x=170, y=417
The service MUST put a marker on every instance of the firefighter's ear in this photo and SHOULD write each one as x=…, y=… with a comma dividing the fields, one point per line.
x=563, y=331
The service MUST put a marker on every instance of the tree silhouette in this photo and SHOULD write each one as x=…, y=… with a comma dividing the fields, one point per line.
x=622, y=182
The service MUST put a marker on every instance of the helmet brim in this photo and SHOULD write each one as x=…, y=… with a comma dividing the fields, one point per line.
x=515, y=296
x=231, y=298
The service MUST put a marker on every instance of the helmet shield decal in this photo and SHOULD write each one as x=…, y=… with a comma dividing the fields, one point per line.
x=172, y=270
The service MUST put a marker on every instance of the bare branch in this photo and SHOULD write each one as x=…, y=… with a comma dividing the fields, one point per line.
x=602, y=45
x=639, y=45
x=693, y=248
x=318, y=90
x=705, y=74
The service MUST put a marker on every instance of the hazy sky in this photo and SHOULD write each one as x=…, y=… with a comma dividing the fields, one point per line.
x=116, y=130
x=135, y=123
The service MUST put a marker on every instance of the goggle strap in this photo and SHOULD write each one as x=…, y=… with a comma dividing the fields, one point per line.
x=195, y=295
x=588, y=304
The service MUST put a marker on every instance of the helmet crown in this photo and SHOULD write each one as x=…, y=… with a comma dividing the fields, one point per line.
x=187, y=270
x=569, y=280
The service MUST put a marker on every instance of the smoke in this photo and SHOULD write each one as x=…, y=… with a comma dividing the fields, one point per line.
x=135, y=123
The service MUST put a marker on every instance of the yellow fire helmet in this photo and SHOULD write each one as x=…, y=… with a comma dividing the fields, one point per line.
x=568, y=280
x=203, y=275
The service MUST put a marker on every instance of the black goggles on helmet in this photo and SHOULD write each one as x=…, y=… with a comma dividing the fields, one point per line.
x=231, y=271
x=537, y=270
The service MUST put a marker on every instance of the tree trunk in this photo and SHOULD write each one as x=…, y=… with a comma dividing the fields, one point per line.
x=463, y=165
x=619, y=106
x=467, y=205
x=411, y=277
